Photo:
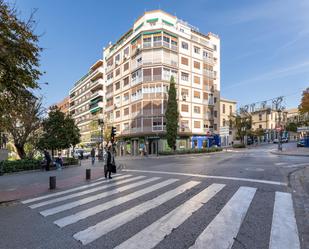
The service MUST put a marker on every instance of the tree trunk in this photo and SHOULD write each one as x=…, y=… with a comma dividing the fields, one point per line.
x=20, y=151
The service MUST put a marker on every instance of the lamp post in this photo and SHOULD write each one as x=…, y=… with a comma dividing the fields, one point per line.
x=101, y=123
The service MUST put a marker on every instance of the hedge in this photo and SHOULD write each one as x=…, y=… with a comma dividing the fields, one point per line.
x=8, y=166
x=190, y=151
x=239, y=146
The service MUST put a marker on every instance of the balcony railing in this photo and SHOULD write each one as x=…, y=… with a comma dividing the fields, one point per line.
x=136, y=80
x=208, y=60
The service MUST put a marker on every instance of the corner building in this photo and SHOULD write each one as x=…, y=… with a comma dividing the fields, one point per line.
x=138, y=69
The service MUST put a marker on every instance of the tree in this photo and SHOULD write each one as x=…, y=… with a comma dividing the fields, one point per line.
x=291, y=127
x=172, y=116
x=23, y=122
x=59, y=131
x=242, y=124
x=304, y=105
x=19, y=57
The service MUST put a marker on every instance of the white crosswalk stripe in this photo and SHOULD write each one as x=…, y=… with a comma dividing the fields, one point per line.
x=224, y=227
x=162, y=227
x=71, y=190
x=94, y=232
x=64, y=198
x=102, y=207
x=70, y=205
x=284, y=234
x=220, y=232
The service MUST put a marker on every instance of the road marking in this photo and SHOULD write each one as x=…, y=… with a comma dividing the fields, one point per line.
x=94, y=232
x=296, y=165
x=118, y=176
x=222, y=230
x=279, y=164
x=157, y=231
x=80, y=202
x=208, y=176
x=255, y=169
x=66, y=197
x=284, y=234
x=104, y=206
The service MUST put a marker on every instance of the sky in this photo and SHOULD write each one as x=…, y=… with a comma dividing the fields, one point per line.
x=264, y=44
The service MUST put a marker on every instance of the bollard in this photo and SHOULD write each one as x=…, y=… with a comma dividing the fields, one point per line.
x=52, y=182
x=88, y=174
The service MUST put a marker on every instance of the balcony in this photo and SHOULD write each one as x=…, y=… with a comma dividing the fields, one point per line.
x=208, y=60
x=109, y=95
x=136, y=64
x=136, y=80
x=97, y=93
x=109, y=81
x=109, y=108
x=95, y=104
x=210, y=74
x=208, y=101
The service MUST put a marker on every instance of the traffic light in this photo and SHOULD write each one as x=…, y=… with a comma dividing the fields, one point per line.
x=113, y=134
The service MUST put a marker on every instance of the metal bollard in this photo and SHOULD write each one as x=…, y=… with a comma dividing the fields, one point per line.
x=88, y=174
x=52, y=182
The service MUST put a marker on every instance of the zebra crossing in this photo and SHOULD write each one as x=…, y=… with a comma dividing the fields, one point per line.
x=70, y=207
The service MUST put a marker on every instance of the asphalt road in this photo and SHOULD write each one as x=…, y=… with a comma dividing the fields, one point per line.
x=234, y=199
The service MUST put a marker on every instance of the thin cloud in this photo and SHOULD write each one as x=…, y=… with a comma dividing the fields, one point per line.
x=275, y=74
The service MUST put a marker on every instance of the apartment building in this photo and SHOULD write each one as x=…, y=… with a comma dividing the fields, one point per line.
x=269, y=120
x=138, y=69
x=87, y=103
x=64, y=105
x=227, y=110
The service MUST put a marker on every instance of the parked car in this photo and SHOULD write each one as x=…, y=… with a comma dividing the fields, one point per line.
x=284, y=140
x=78, y=152
x=301, y=143
x=276, y=140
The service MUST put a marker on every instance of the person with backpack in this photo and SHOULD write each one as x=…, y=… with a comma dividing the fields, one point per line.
x=92, y=154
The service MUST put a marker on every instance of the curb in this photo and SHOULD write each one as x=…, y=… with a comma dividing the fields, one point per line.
x=288, y=154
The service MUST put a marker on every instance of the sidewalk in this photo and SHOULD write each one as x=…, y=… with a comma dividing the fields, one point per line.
x=292, y=152
x=25, y=184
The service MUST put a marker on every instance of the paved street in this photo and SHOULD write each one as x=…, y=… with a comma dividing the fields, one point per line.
x=235, y=199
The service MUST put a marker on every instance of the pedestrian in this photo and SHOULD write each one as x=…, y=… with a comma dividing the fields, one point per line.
x=59, y=162
x=81, y=155
x=47, y=160
x=109, y=161
x=92, y=154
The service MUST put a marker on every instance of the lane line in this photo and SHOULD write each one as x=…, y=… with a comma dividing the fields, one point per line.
x=94, y=232
x=66, y=197
x=208, y=176
x=284, y=234
x=157, y=231
x=222, y=230
x=80, y=202
x=118, y=176
x=107, y=205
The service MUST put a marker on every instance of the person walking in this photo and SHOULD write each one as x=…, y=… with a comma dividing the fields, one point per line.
x=92, y=154
x=47, y=160
x=59, y=162
x=108, y=166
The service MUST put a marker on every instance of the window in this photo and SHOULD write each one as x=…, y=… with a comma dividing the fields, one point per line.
x=126, y=51
x=184, y=61
x=117, y=85
x=197, y=124
x=117, y=71
x=117, y=114
x=231, y=110
x=184, y=76
x=166, y=39
x=215, y=114
x=197, y=109
x=197, y=95
x=260, y=126
x=184, y=92
x=126, y=111
x=205, y=95
x=184, y=108
x=126, y=126
x=205, y=54
x=126, y=66
x=197, y=50
x=157, y=38
x=223, y=122
x=197, y=80
x=260, y=116
x=215, y=47
x=117, y=58
x=126, y=97
x=197, y=65
x=184, y=45
x=223, y=108
x=215, y=126
x=215, y=100
x=126, y=81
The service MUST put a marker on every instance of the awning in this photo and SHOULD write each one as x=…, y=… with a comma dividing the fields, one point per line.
x=138, y=27
x=96, y=110
x=153, y=20
x=168, y=33
x=135, y=38
x=152, y=32
x=167, y=22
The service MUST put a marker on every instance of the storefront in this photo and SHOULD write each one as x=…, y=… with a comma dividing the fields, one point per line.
x=199, y=142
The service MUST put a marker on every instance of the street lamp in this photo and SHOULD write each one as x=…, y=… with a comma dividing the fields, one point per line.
x=101, y=123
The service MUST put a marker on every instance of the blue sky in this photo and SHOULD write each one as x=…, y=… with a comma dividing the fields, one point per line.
x=264, y=44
